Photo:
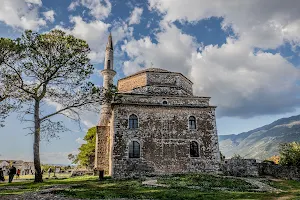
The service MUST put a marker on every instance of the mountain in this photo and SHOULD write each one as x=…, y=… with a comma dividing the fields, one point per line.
x=261, y=143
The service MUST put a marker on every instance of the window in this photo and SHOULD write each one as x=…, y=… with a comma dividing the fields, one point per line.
x=133, y=121
x=192, y=122
x=194, y=149
x=134, y=149
x=165, y=102
x=108, y=64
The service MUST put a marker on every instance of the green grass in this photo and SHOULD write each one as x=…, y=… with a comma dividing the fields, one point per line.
x=206, y=182
x=29, y=185
x=90, y=187
x=45, y=176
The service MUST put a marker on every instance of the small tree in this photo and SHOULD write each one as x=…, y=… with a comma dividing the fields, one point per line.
x=73, y=158
x=86, y=155
x=222, y=157
x=275, y=159
x=290, y=154
x=50, y=67
x=237, y=156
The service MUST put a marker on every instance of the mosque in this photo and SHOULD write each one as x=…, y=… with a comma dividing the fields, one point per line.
x=156, y=126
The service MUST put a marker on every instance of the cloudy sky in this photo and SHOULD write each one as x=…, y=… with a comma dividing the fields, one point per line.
x=244, y=54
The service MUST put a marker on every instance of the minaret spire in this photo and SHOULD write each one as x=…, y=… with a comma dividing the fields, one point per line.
x=109, y=45
x=109, y=54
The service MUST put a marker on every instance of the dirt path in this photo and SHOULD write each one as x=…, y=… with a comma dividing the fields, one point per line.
x=153, y=183
x=285, y=197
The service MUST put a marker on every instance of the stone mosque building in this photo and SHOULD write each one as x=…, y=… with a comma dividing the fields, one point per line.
x=157, y=126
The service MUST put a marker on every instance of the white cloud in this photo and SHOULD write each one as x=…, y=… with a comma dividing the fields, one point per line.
x=100, y=9
x=94, y=32
x=80, y=141
x=135, y=16
x=49, y=15
x=73, y=5
x=241, y=83
x=38, y=2
x=264, y=24
x=21, y=14
x=171, y=52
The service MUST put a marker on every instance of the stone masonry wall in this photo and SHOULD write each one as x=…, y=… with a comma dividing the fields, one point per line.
x=161, y=90
x=165, y=138
x=171, y=101
x=125, y=85
x=170, y=80
x=240, y=167
x=156, y=83
x=102, y=148
x=249, y=167
x=278, y=171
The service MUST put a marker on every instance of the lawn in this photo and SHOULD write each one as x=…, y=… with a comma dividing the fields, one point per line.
x=90, y=187
x=206, y=182
x=45, y=176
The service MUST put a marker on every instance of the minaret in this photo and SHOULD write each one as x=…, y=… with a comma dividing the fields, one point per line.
x=103, y=137
x=108, y=74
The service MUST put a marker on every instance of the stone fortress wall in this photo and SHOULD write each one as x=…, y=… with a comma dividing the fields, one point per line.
x=254, y=168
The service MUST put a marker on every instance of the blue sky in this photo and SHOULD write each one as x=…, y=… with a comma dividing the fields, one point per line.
x=243, y=54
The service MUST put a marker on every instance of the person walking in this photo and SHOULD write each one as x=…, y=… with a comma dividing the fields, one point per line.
x=12, y=172
x=18, y=173
x=1, y=175
x=49, y=172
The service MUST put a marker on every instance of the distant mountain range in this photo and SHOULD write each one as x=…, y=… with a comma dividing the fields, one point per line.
x=261, y=143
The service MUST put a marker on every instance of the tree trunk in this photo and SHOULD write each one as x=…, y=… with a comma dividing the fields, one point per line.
x=36, y=145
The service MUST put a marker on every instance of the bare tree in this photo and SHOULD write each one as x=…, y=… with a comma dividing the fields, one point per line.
x=50, y=68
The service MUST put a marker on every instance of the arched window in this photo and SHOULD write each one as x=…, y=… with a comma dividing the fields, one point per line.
x=194, y=149
x=133, y=121
x=134, y=149
x=192, y=122
x=165, y=102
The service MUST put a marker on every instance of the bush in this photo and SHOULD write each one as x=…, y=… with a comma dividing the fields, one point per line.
x=290, y=154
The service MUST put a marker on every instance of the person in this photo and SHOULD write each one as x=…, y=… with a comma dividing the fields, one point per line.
x=18, y=173
x=49, y=171
x=12, y=172
x=1, y=175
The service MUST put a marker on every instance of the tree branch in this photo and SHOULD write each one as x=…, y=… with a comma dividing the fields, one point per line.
x=66, y=108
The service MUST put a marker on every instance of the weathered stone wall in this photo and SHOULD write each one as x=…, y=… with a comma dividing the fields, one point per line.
x=128, y=84
x=156, y=83
x=249, y=167
x=278, y=171
x=170, y=80
x=81, y=172
x=240, y=167
x=165, y=138
x=161, y=90
x=171, y=101
x=102, y=161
